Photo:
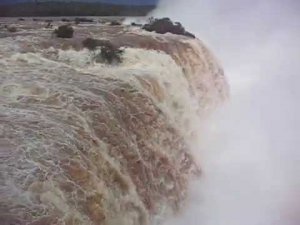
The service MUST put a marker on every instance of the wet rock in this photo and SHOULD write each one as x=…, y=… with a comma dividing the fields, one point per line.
x=109, y=53
x=136, y=24
x=64, y=31
x=83, y=20
x=49, y=25
x=11, y=29
x=92, y=44
x=165, y=25
x=65, y=20
x=188, y=34
x=115, y=23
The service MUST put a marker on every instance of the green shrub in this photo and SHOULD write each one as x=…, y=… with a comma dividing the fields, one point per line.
x=165, y=25
x=109, y=53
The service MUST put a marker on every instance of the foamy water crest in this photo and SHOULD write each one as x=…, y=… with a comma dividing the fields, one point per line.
x=249, y=148
x=84, y=142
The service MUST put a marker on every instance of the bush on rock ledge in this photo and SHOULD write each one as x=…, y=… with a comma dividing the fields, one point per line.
x=64, y=31
x=166, y=25
x=109, y=54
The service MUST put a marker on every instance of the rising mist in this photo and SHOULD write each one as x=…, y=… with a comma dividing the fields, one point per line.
x=249, y=150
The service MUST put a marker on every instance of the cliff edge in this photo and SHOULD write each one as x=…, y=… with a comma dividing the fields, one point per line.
x=83, y=142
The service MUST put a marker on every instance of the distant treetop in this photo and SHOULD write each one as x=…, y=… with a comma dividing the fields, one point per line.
x=117, y=2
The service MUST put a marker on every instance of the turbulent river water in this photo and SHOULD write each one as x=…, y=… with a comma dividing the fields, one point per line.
x=88, y=143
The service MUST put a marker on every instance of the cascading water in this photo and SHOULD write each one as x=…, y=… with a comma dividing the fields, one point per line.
x=87, y=143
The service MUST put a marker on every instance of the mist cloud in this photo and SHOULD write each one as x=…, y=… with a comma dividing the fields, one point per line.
x=250, y=149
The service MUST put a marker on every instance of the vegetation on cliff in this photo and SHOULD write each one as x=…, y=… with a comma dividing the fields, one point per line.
x=64, y=31
x=166, y=25
x=109, y=53
x=72, y=9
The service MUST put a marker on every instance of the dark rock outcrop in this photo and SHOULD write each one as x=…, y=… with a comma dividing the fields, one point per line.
x=136, y=24
x=165, y=25
x=115, y=23
x=11, y=29
x=65, y=20
x=64, y=31
x=83, y=20
x=109, y=53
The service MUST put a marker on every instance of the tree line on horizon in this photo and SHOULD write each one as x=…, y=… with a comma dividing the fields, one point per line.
x=31, y=9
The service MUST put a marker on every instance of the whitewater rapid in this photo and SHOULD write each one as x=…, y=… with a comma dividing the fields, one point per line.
x=88, y=143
